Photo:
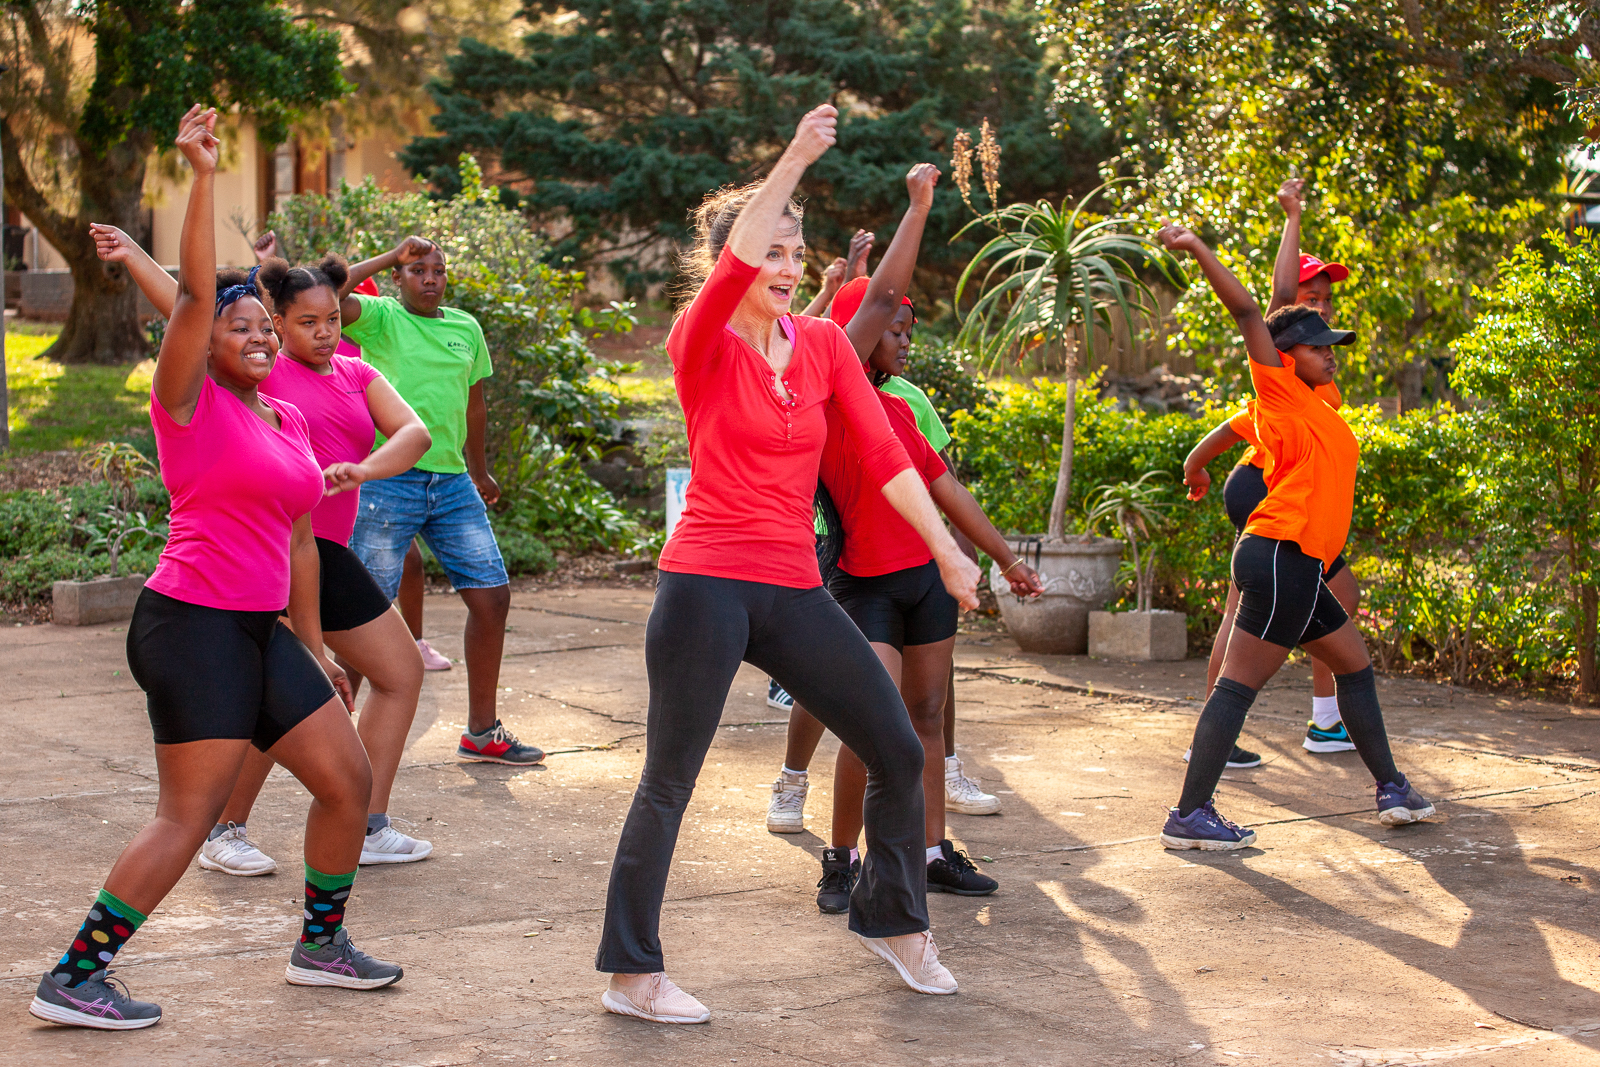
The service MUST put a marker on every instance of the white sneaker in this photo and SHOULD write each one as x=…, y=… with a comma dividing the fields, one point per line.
x=916, y=957
x=786, y=811
x=963, y=794
x=233, y=853
x=391, y=846
x=653, y=997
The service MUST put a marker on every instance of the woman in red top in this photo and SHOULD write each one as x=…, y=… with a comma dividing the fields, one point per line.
x=1296, y=279
x=739, y=581
x=1281, y=561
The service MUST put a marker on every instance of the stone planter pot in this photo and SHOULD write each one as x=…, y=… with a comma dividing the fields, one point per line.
x=1078, y=575
x=1139, y=635
x=98, y=600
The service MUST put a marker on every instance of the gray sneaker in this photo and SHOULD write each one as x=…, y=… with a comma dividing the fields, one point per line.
x=95, y=1003
x=340, y=964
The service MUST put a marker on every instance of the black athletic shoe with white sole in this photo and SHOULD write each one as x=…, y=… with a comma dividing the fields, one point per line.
x=955, y=873
x=838, y=879
x=1238, y=759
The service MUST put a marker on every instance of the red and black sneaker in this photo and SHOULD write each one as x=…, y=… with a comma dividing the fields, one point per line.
x=498, y=745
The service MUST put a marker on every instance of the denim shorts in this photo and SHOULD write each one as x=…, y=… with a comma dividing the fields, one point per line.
x=448, y=513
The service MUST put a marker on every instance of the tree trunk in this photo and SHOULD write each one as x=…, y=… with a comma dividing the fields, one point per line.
x=1058, y=505
x=103, y=325
x=1588, y=608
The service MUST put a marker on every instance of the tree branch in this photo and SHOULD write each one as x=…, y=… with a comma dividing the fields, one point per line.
x=57, y=228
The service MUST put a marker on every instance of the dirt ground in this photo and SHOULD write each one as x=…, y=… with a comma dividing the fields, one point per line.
x=1099, y=948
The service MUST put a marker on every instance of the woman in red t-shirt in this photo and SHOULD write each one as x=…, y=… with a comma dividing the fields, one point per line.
x=739, y=582
x=1281, y=561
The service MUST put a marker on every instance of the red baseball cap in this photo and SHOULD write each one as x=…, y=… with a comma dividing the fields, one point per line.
x=1311, y=266
x=367, y=288
x=847, y=301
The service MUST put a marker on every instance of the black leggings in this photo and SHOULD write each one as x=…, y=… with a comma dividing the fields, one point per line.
x=700, y=629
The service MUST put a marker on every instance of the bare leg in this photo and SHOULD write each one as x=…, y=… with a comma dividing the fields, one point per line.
x=324, y=752
x=924, y=684
x=385, y=653
x=805, y=733
x=950, y=717
x=252, y=776
x=485, y=641
x=412, y=584
x=196, y=778
x=1219, y=647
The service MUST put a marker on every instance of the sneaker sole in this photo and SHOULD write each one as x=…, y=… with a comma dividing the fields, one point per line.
x=304, y=976
x=55, y=1013
x=834, y=911
x=209, y=864
x=778, y=705
x=478, y=757
x=1244, y=766
x=1403, y=816
x=1327, y=746
x=905, y=975
x=964, y=808
x=934, y=888
x=370, y=858
x=786, y=827
x=1182, y=843
x=618, y=1006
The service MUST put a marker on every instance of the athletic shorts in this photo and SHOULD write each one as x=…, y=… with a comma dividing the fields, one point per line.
x=1283, y=597
x=1243, y=492
x=907, y=607
x=350, y=598
x=448, y=514
x=210, y=673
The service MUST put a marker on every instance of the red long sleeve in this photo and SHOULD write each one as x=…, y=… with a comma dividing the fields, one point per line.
x=753, y=454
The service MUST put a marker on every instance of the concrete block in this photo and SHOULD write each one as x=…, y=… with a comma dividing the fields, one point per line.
x=98, y=600
x=1138, y=635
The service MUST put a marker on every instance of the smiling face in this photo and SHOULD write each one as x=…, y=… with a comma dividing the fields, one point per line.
x=309, y=325
x=772, y=293
x=422, y=283
x=243, y=344
x=1313, y=364
x=1317, y=292
x=894, y=347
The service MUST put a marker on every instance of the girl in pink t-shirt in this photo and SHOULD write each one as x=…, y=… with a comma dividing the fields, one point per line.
x=219, y=671
x=346, y=403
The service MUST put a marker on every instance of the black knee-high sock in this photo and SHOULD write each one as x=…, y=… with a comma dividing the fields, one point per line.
x=1358, y=707
x=1214, y=738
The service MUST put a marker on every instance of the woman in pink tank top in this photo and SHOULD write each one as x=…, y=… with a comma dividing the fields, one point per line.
x=219, y=671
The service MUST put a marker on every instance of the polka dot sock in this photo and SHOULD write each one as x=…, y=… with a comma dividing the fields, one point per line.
x=102, y=935
x=326, y=895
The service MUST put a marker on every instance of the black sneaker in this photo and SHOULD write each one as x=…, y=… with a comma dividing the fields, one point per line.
x=838, y=879
x=1238, y=759
x=955, y=873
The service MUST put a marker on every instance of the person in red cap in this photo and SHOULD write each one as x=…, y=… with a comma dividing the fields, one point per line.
x=1297, y=279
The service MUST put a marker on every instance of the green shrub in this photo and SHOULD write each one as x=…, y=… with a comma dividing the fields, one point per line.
x=940, y=369
x=42, y=539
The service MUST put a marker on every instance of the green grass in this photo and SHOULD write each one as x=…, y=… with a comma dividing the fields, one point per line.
x=53, y=407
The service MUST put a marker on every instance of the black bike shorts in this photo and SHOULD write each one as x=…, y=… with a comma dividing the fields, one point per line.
x=905, y=607
x=211, y=673
x=1283, y=597
x=1243, y=492
x=350, y=597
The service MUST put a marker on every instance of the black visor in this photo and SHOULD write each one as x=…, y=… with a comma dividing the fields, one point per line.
x=1312, y=330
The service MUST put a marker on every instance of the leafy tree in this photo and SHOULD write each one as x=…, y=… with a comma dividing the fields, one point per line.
x=1533, y=360
x=1430, y=139
x=616, y=118
x=96, y=87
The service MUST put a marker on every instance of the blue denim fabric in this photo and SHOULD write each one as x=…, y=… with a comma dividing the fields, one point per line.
x=446, y=510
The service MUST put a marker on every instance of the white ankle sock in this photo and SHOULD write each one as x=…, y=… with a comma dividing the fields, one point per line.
x=1324, y=711
x=935, y=852
x=790, y=770
x=855, y=854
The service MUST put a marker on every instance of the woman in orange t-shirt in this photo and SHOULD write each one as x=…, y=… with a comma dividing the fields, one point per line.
x=1302, y=279
x=1281, y=559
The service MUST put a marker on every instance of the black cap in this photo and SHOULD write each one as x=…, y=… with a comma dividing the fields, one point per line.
x=1312, y=330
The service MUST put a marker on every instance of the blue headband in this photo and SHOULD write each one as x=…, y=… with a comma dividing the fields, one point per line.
x=238, y=292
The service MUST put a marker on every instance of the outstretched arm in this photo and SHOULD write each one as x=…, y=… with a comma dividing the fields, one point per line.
x=1286, y=269
x=906, y=494
x=1212, y=445
x=965, y=514
x=408, y=251
x=893, y=276
x=1234, y=296
x=114, y=246
x=181, y=369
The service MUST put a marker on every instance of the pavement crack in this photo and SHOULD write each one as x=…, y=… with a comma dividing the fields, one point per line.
x=553, y=651
x=576, y=615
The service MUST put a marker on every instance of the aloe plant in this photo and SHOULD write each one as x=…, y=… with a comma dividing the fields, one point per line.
x=1052, y=276
x=1138, y=509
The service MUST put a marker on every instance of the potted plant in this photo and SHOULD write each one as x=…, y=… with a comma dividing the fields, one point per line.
x=1139, y=510
x=1050, y=277
x=110, y=597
